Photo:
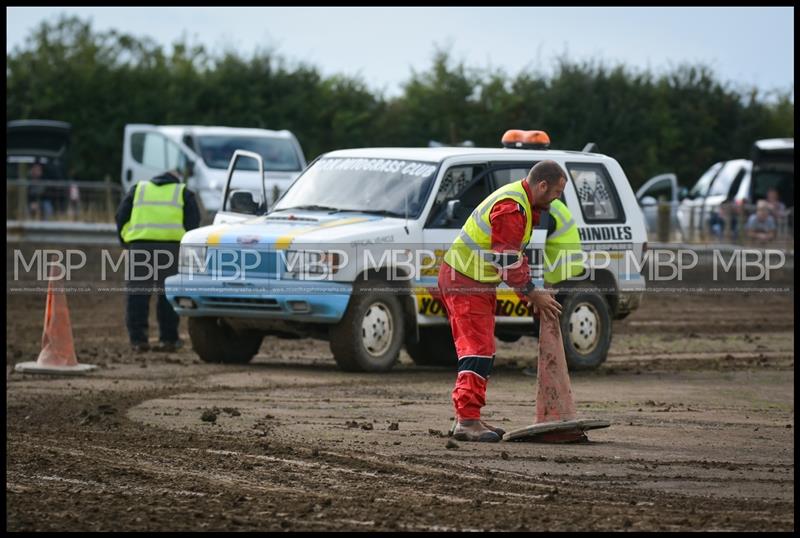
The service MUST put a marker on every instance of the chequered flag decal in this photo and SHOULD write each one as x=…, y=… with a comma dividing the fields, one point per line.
x=597, y=194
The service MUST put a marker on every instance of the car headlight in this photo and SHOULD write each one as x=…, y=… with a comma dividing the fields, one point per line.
x=192, y=259
x=311, y=264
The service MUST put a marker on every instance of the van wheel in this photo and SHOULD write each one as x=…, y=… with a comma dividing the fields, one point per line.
x=215, y=341
x=586, y=329
x=370, y=334
x=435, y=348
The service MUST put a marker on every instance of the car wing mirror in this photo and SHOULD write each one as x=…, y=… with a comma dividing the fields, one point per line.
x=452, y=207
x=243, y=202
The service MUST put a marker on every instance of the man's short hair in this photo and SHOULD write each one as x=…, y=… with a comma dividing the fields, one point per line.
x=546, y=170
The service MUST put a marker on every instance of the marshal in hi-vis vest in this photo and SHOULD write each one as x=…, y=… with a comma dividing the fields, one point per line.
x=157, y=213
x=471, y=253
x=563, y=255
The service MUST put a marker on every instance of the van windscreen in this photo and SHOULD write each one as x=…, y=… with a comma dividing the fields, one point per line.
x=278, y=153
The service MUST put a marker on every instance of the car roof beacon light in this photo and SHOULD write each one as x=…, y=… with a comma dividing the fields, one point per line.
x=519, y=139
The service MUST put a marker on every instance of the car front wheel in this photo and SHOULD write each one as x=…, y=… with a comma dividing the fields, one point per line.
x=369, y=336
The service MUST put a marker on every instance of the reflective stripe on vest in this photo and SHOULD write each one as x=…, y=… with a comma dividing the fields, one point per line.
x=471, y=253
x=563, y=255
x=157, y=213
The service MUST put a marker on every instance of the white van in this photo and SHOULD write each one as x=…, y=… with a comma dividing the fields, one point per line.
x=203, y=153
x=351, y=252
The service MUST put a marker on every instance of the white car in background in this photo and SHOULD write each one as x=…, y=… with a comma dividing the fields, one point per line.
x=725, y=181
x=203, y=153
x=660, y=189
x=688, y=208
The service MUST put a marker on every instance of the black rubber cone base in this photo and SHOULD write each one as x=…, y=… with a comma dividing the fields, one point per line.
x=564, y=431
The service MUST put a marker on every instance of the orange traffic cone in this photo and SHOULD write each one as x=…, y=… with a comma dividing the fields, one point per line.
x=58, y=351
x=556, y=420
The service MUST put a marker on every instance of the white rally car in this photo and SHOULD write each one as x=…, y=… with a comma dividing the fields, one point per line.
x=351, y=254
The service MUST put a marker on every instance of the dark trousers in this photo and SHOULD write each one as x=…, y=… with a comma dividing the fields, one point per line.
x=137, y=311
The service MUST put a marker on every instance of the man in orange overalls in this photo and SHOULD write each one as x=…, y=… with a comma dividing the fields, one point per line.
x=488, y=250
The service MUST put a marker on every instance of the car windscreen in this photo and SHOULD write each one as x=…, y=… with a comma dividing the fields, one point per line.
x=394, y=187
x=278, y=153
x=701, y=187
x=726, y=177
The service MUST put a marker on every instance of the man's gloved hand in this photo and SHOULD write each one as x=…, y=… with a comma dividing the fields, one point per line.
x=543, y=302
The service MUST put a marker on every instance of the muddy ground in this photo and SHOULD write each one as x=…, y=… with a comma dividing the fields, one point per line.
x=699, y=389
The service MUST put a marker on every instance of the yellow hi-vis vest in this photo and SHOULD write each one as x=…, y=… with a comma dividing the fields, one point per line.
x=157, y=213
x=471, y=253
x=563, y=255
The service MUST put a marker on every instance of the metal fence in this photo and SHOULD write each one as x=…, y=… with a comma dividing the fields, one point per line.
x=737, y=224
x=62, y=200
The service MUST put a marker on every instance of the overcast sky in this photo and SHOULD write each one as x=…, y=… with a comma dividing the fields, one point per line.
x=747, y=46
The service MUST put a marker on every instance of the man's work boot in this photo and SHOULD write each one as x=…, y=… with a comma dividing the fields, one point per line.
x=474, y=430
x=499, y=431
x=168, y=347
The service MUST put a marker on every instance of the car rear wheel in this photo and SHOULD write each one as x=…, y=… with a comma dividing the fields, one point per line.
x=435, y=348
x=508, y=337
x=586, y=329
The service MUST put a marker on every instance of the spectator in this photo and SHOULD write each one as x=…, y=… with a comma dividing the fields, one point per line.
x=777, y=208
x=40, y=206
x=74, y=202
x=761, y=224
x=716, y=223
x=723, y=220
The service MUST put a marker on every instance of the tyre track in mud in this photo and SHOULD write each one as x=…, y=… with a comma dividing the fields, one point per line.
x=298, y=497
x=73, y=467
x=322, y=488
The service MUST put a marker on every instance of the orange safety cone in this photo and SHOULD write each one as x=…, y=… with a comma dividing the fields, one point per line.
x=556, y=417
x=58, y=350
x=554, y=399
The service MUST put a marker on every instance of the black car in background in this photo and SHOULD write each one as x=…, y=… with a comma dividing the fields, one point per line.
x=38, y=150
x=773, y=168
x=45, y=142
